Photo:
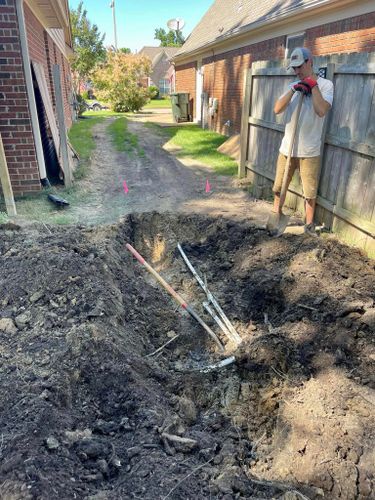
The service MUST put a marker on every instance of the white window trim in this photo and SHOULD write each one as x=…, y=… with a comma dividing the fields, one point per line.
x=290, y=37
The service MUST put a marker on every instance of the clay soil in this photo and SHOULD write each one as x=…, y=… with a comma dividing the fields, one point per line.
x=89, y=410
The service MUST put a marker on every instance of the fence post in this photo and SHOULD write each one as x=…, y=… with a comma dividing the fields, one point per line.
x=5, y=183
x=244, y=137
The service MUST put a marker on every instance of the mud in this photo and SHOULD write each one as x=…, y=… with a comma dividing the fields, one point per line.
x=86, y=410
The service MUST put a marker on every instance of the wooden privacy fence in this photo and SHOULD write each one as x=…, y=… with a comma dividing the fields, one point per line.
x=346, y=195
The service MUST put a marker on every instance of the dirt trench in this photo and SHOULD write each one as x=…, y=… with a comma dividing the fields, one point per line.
x=86, y=410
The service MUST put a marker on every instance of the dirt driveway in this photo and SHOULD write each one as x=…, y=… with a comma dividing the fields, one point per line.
x=157, y=181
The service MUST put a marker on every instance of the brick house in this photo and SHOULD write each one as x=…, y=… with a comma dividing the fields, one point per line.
x=235, y=33
x=162, y=73
x=35, y=37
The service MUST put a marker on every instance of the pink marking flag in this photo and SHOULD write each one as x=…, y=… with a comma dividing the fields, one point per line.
x=208, y=187
x=126, y=189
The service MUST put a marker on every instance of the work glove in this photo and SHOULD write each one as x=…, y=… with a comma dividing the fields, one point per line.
x=310, y=81
x=303, y=87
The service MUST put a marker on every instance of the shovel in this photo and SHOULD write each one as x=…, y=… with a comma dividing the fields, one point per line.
x=277, y=222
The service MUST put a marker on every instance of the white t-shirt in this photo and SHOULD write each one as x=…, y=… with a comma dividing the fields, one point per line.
x=309, y=130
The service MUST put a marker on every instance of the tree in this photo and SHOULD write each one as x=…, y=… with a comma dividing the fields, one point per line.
x=87, y=45
x=170, y=39
x=125, y=50
x=118, y=80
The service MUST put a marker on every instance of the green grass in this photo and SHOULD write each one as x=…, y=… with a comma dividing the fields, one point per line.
x=81, y=138
x=200, y=145
x=158, y=103
x=122, y=139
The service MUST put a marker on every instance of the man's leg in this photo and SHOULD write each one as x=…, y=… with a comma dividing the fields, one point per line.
x=309, y=170
x=310, y=210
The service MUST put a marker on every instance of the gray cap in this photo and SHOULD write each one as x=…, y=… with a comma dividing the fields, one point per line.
x=299, y=56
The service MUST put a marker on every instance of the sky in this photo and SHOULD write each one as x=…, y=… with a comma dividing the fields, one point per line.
x=136, y=20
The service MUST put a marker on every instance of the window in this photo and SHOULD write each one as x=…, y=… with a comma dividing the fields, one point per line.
x=164, y=87
x=293, y=41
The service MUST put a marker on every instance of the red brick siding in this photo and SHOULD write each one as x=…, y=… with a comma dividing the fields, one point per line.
x=15, y=124
x=43, y=50
x=223, y=74
x=186, y=82
x=356, y=34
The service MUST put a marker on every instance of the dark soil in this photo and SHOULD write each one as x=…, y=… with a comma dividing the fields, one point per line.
x=87, y=413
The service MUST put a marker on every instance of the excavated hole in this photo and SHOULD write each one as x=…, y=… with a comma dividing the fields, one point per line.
x=131, y=425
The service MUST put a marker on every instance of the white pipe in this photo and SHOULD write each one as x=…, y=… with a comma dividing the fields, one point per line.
x=30, y=90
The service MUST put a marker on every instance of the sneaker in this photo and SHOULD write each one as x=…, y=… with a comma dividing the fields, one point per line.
x=310, y=229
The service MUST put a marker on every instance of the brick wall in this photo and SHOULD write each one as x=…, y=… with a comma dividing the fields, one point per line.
x=43, y=50
x=15, y=124
x=224, y=73
x=186, y=81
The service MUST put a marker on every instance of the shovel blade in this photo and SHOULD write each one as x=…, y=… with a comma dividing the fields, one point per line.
x=276, y=224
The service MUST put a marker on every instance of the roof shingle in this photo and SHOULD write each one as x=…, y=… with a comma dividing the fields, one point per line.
x=226, y=18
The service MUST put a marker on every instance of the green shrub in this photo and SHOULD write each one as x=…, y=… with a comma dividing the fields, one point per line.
x=80, y=104
x=153, y=92
x=117, y=81
x=85, y=95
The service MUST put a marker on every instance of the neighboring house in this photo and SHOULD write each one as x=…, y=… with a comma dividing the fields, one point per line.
x=235, y=33
x=35, y=41
x=162, y=73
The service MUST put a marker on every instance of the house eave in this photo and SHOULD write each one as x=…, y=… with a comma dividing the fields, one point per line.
x=258, y=28
x=53, y=14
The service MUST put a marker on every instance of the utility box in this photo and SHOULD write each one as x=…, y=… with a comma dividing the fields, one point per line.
x=180, y=106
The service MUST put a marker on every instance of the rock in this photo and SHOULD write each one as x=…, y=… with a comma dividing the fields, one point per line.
x=36, y=296
x=103, y=427
x=184, y=445
x=103, y=467
x=187, y=410
x=23, y=319
x=92, y=448
x=78, y=435
x=369, y=318
x=7, y=326
x=52, y=443
x=133, y=451
x=171, y=334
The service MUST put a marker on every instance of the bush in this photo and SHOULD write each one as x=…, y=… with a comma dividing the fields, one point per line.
x=117, y=81
x=80, y=104
x=153, y=92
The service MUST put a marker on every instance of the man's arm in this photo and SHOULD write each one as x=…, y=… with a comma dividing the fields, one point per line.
x=320, y=105
x=282, y=102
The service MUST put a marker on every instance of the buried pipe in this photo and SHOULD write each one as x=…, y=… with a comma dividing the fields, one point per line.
x=211, y=298
x=175, y=295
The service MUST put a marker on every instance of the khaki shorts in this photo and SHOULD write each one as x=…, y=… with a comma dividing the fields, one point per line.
x=309, y=172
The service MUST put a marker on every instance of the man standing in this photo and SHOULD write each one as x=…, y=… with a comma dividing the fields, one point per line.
x=318, y=97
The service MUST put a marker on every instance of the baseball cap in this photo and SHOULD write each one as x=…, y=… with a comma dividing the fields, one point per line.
x=299, y=56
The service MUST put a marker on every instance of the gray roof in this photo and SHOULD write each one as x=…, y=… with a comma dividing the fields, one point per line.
x=153, y=52
x=227, y=18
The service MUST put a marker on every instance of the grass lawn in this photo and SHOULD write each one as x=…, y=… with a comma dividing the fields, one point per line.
x=122, y=139
x=200, y=145
x=158, y=103
x=37, y=207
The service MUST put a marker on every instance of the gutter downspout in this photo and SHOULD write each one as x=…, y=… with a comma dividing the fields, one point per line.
x=30, y=93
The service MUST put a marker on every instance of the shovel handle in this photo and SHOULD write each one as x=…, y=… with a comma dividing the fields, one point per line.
x=174, y=294
x=284, y=186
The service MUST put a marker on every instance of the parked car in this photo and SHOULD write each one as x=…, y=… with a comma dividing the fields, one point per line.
x=95, y=106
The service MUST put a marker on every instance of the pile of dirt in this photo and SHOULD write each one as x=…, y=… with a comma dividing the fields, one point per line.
x=88, y=411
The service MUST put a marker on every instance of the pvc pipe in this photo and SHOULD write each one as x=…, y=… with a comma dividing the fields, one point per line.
x=174, y=294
